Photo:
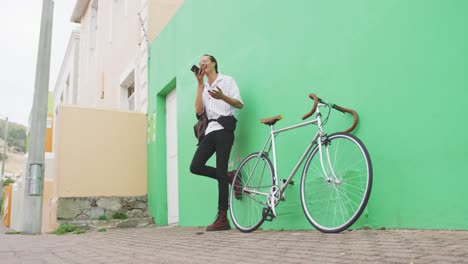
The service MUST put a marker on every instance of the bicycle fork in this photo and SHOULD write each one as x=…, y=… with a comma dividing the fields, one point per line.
x=330, y=175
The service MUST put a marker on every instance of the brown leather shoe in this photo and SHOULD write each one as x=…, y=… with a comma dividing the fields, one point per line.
x=237, y=184
x=221, y=222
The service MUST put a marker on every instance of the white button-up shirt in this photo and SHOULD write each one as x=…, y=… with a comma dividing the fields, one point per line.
x=216, y=107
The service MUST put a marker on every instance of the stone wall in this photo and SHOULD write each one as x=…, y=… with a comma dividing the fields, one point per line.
x=99, y=211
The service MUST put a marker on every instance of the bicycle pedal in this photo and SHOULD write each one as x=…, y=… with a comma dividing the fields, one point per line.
x=268, y=214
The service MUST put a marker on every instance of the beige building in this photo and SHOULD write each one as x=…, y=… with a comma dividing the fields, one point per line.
x=111, y=70
x=98, y=164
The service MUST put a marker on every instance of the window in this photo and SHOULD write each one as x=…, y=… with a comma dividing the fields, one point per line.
x=131, y=97
x=128, y=100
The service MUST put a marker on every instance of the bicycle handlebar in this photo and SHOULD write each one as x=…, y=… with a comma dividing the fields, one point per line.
x=334, y=106
x=351, y=111
x=316, y=101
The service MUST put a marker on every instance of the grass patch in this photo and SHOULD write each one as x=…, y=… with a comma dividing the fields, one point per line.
x=119, y=215
x=12, y=232
x=102, y=218
x=65, y=228
x=102, y=229
x=8, y=181
x=78, y=231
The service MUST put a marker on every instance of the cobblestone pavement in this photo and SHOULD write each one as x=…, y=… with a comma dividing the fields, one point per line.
x=194, y=245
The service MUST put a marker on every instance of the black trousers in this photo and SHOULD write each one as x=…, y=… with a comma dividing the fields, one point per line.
x=219, y=142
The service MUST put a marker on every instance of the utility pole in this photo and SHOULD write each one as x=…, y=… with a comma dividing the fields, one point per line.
x=32, y=220
x=5, y=146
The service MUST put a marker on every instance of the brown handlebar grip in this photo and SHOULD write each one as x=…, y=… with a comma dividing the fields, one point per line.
x=316, y=100
x=347, y=110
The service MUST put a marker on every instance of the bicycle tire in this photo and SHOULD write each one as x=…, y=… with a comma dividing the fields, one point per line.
x=256, y=172
x=333, y=206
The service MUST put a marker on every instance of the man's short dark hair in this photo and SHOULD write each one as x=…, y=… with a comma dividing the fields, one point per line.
x=212, y=59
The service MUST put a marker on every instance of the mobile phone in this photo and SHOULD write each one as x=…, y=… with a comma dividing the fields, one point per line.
x=195, y=69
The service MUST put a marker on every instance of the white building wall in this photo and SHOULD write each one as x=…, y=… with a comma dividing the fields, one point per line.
x=108, y=64
x=66, y=85
x=84, y=83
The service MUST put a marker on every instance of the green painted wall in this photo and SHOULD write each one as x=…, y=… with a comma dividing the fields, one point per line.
x=401, y=64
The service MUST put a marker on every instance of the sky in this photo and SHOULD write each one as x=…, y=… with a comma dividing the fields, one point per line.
x=19, y=40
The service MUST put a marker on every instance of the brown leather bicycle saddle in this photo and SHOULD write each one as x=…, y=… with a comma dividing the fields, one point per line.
x=272, y=120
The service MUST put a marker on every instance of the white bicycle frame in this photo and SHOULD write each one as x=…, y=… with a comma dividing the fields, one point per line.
x=276, y=192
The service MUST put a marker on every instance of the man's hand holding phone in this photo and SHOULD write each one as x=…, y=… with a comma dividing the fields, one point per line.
x=198, y=73
x=195, y=69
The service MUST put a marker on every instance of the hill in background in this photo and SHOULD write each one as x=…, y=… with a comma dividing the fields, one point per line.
x=16, y=136
x=16, y=148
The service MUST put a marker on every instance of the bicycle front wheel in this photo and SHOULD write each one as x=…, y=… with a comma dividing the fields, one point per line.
x=249, y=192
x=336, y=188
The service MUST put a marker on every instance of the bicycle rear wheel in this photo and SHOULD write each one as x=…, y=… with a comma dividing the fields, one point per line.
x=333, y=204
x=256, y=177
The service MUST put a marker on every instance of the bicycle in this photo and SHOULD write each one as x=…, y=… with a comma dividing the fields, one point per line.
x=335, y=184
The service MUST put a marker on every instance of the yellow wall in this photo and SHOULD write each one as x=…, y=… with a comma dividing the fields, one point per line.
x=100, y=152
x=49, y=129
x=6, y=206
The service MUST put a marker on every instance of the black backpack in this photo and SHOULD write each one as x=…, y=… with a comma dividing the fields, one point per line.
x=200, y=127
